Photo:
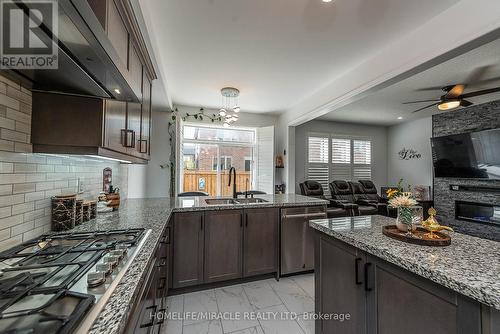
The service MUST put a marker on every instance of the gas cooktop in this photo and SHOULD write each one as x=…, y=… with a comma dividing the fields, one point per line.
x=49, y=284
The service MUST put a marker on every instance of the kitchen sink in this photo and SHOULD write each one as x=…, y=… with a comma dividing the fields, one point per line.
x=219, y=201
x=233, y=201
x=250, y=200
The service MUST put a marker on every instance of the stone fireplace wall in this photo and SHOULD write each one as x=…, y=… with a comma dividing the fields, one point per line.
x=476, y=118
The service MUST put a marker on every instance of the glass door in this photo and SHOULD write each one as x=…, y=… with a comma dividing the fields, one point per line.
x=200, y=165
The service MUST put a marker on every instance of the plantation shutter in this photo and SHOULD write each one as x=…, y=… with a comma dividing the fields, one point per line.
x=179, y=154
x=317, y=161
x=341, y=159
x=265, y=159
x=362, y=159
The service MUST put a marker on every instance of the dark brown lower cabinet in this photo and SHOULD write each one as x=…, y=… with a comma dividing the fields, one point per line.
x=187, y=250
x=223, y=245
x=383, y=298
x=260, y=242
x=153, y=295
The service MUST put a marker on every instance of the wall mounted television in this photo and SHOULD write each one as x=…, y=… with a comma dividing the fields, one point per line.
x=473, y=155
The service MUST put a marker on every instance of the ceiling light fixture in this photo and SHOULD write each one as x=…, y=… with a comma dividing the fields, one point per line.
x=117, y=91
x=229, y=103
x=448, y=105
x=326, y=0
x=400, y=117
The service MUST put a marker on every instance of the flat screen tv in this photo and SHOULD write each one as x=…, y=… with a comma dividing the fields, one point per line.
x=474, y=155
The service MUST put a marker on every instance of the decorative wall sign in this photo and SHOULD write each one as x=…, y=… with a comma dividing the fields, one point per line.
x=409, y=154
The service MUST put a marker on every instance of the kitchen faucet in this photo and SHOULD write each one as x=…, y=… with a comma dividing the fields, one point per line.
x=233, y=170
x=246, y=188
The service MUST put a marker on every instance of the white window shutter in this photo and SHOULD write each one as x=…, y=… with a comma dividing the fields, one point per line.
x=317, y=149
x=179, y=154
x=362, y=158
x=265, y=159
x=317, y=160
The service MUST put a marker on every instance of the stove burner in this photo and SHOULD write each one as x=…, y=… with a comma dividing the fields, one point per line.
x=35, y=278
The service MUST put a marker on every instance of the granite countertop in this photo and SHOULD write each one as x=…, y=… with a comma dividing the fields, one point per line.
x=470, y=265
x=154, y=214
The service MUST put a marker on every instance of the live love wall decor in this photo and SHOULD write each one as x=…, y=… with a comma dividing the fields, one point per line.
x=409, y=154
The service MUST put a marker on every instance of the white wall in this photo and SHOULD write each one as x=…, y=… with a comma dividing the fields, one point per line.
x=378, y=135
x=410, y=135
x=148, y=181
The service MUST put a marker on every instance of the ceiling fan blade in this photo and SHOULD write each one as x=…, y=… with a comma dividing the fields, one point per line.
x=478, y=73
x=465, y=103
x=455, y=91
x=426, y=89
x=481, y=92
x=411, y=102
x=430, y=105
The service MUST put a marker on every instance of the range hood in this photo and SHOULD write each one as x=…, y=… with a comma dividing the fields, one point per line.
x=86, y=58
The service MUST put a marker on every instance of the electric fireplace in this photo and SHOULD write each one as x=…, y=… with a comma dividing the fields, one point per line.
x=478, y=212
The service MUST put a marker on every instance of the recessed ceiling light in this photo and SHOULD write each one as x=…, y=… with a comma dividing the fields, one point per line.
x=117, y=91
x=400, y=117
x=326, y=0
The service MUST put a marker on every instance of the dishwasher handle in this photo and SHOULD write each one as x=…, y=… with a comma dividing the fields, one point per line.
x=304, y=215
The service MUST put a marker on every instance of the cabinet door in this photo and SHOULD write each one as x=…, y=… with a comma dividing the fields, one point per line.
x=339, y=287
x=144, y=144
x=260, y=241
x=133, y=128
x=401, y=302
x=187, y=257
x=135, y=71
x=118, y=34
x=223, y=241
x=115, y=118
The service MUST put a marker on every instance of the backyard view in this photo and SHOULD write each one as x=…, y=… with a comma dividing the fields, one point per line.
x=209, y=153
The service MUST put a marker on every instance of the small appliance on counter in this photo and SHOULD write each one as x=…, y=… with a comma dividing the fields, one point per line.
x=59, y=283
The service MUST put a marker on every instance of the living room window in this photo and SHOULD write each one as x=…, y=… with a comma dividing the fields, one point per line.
x=334, y=157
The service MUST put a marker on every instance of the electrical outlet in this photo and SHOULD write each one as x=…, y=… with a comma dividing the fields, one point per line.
x=80, y=185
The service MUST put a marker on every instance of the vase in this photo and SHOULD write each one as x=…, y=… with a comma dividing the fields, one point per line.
x=408, y=218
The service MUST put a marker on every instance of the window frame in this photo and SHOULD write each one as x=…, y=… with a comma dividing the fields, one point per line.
x=219, y=144
x=351, y=166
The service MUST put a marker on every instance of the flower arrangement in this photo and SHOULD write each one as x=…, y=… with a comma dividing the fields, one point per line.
x=405, y=202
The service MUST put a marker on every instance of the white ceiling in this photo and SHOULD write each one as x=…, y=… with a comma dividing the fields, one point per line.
x=276, y=52
x=385, y=106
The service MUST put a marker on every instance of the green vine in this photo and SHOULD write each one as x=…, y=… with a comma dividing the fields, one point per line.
x=199, y=116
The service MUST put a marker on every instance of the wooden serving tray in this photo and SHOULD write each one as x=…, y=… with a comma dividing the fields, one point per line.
x=419, y=237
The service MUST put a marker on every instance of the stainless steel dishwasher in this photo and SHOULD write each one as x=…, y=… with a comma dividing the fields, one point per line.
x=297, y=238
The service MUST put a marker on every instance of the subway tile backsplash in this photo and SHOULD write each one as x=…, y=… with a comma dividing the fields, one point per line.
x=28, y=180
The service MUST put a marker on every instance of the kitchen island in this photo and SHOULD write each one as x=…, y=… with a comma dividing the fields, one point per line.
x=388, y=286
x=157, y=215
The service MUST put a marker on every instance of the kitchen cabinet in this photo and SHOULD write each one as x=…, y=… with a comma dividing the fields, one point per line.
x=260, y=241
x=135, y=71
x=133, y=129
x=223, y=245
x=66, y=124
x=117, y=33
x=214, y=246
x=115, y=136
x=145, y=138
x=383, y=298
x=187, y=250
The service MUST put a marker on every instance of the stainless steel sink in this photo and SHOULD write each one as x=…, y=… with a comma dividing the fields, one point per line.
x=233, y=201
x=220, y=201
x=250, y=200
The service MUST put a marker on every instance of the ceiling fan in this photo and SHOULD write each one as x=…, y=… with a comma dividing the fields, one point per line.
x=454, y=96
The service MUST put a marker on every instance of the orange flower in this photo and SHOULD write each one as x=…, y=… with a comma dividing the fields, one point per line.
x=391, y=192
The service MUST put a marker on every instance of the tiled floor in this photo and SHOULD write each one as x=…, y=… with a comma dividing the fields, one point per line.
x=261, y=307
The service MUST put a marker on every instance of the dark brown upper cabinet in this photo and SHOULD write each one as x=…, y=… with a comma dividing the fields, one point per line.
x=116, y=18
x=66, y=124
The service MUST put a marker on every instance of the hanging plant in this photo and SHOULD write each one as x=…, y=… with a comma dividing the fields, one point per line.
x=199, y=116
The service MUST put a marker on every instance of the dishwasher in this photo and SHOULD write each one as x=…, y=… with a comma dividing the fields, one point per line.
x=297, y=238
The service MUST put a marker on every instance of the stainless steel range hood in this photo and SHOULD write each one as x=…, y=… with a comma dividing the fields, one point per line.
x=86, y=58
